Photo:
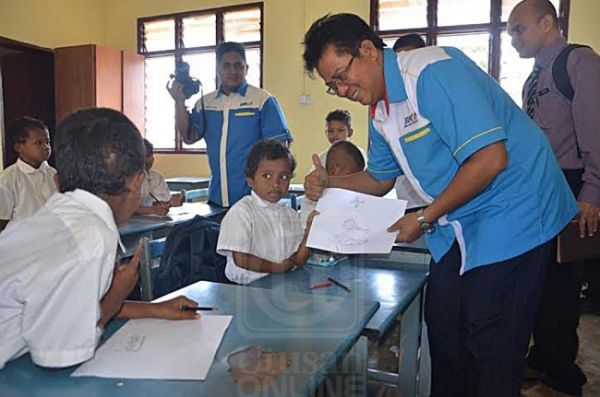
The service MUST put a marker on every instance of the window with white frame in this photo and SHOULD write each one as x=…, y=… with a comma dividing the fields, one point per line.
x=192, y=37
x=477, y=27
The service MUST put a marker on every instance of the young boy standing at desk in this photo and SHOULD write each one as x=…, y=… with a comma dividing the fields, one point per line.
x=26, y=185
x=343, y=158
x=57, y=266
x=156, y=196
x=338, y=127
x=258, y=235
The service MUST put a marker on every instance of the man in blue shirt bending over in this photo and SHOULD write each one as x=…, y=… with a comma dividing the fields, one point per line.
x=496, y=196
x=231, y=120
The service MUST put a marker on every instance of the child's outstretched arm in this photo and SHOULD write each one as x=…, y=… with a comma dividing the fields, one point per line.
x=172, y=309
x=124, y=279
x=301, y=255
x=256, y=264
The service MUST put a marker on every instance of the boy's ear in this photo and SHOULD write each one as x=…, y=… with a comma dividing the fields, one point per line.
x=350, y=132
x=17, y=147
x=134, y=183
x=249, y=181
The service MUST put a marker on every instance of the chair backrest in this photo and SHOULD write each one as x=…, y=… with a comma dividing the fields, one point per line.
x=152, y=249
x=190, y=255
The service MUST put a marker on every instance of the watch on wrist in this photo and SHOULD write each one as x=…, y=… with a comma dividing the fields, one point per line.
x=425, y=226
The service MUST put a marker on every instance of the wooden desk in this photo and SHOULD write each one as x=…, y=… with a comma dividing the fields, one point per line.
x=315, y=331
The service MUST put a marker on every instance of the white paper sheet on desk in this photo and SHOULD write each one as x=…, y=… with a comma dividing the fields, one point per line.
x=354, y=223
x=159, y=349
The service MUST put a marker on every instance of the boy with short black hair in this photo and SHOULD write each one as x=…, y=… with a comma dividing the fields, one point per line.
x=26, y=185
x=338, y=127
x=156, y=196
x=258, y=234
x=57, y=266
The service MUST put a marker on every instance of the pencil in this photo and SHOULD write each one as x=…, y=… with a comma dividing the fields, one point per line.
x=338, y=283
x=198, y=309
x=321, y=285
x=154, y=197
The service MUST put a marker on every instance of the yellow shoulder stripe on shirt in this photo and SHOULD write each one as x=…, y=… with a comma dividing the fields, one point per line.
x=471, y=139
x=245, y=114
x=417, y=135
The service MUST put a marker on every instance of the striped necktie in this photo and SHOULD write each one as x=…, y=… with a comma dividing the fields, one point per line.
x=531, y=85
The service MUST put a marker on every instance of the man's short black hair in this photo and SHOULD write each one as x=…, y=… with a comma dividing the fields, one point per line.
x=412, y=39
x=230, y=46
x=345, y=31
x=348, y=153
x=19, y=129
x=148, y=146
x=97, y=150
x=340, y=115
x=268, y=150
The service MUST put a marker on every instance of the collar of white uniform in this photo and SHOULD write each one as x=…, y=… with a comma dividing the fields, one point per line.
x=263, y=203
x=27, y=169
x=98, y=207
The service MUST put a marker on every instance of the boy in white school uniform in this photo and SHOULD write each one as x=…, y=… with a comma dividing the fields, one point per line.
x=156, y=196
x=59, y=281
x=258, y=234
x=27, y=184
x=338, y=127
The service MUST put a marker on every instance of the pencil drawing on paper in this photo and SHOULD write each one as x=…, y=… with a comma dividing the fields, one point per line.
x=353, y=234
x=134, y=343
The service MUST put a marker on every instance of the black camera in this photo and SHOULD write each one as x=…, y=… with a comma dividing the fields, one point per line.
x=190, y=85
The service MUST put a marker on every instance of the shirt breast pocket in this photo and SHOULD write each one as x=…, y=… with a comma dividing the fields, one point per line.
x=551, y=105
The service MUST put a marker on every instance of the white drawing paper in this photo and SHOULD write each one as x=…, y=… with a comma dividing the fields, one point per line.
x=354, y=223
x=159, y=349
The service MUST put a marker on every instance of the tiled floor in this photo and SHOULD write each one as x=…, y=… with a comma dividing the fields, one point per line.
x=382, y=357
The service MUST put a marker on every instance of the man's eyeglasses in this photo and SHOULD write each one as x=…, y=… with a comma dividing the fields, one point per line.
x=341, y=78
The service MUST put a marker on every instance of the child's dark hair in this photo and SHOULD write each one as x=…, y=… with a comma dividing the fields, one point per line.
x=269, y=150
x=340, y=115
x=230, y=46
x=409, y=40
x=348, y=150
x=19, y=129
x=148, y=146
x=97, y=150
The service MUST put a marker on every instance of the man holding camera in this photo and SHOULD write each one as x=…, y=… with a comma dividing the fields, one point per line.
x=231, y=120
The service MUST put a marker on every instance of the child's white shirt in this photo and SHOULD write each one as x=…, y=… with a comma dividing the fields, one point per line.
x=154, y=183
x=55, y=268
x=24, y=189
x=270, y=231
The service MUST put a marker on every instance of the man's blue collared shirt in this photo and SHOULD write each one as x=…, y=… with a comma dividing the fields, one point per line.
x=234, y=123
x=442, y=109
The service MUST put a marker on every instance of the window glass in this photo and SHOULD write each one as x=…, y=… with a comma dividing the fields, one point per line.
x=463, y=12
x=159, y=35
x=402, y=14
x=199, y=31
x=160, y=107
x=242, y=26
x=253, y=61
x=476, y=46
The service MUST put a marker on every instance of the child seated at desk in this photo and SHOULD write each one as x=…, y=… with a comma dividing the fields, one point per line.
x=59, y=281
x=338, y=127
x=258, y=234
x=343, y=158
x=156, y=196
x=27, y=184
